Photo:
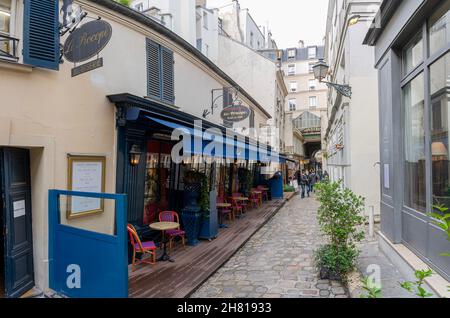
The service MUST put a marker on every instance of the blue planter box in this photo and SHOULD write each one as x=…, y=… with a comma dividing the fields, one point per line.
x=210, y=227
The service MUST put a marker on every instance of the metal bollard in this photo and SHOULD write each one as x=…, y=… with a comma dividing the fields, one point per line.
x=371, y=220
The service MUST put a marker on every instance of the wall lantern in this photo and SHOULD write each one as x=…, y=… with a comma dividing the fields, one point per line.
x=135, y=155
x=321, y=72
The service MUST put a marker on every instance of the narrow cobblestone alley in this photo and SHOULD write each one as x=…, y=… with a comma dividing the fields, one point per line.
x=277, y=262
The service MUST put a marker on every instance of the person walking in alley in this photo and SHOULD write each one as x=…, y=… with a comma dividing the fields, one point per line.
x=312, y=178
x=307, y=182
x=303, y=181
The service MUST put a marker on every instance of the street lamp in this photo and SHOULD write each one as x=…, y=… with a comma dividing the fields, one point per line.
x=321, y=71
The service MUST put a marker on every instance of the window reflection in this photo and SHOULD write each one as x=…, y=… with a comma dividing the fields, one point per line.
x=413, y=54
x=414, y=139
x=440, y=83
x=439, y=23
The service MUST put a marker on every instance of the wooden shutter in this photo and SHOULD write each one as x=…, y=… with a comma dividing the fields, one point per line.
x=154, y=86
x=41, y=33
x=167, y=76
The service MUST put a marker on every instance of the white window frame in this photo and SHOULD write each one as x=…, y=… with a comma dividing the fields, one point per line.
x=311, y=103
x=292, y=67
x=291, y=53
x=293, y=87
x=12, y=23
x=312, y=87
x=292, y=104
x=310, y=55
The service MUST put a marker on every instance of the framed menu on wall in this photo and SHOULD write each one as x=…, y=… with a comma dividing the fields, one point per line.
x=86, y=174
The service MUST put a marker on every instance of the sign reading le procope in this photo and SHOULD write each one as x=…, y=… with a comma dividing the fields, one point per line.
x=87, y=41
x=235, y=113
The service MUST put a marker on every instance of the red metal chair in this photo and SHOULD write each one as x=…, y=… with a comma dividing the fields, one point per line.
x=225, y=212
x=255, y=199
x=243, y=204
x=264, y=193
x=141, y=247
x=236, y=206
x=171, y=216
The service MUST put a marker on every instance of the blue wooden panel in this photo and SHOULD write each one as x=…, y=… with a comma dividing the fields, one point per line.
x=41, y=33
x=100, y=258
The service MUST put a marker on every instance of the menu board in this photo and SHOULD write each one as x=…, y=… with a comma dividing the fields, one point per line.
x=86, y=175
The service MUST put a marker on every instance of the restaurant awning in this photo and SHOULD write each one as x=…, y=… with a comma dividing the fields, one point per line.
x=232, y=148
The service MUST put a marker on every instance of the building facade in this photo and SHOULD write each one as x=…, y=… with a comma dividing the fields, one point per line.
x=53, y=113
x=412, y=54
x=352, y=131
x=307, y=98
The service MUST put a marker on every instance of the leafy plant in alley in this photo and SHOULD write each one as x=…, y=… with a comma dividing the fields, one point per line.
x=340, y=219
x=371, y=289
x=417, y=286
x=442, y=220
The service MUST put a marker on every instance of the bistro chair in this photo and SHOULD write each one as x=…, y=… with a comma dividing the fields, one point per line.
x=243, y=204
x=237, y=208
x=225, y=212
x=265, y=195
x=255, y=199
x=171, y=216
x=141, y=247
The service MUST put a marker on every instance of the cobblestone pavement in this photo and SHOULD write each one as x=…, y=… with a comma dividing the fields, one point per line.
x=277, y=262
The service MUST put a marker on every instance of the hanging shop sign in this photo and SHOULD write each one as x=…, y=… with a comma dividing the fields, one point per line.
x=235, y=113
x=87, y=41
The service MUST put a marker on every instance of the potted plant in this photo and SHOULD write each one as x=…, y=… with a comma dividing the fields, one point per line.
x=209, y=227
x=191, y=214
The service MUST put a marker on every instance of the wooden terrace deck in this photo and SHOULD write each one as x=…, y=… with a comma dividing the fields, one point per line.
x=194, y=265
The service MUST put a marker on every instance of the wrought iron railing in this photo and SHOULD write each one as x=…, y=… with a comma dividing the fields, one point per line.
x=8, y=47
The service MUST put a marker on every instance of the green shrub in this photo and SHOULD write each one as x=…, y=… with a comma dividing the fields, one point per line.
x=340, y=213
x=288, y=188
x=340, y=219
x=335, y=262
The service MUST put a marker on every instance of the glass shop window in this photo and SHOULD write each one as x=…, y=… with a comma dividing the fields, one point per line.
x=157, y=180
x=439, y=75
x=414, y=140
x=413, y=54
x=439, y=24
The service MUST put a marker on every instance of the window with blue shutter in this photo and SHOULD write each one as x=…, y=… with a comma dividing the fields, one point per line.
x=168, y=94
x=41, y=33
x=160, y=72
x=153, y=70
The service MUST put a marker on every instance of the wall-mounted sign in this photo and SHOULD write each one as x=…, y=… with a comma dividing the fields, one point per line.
x=87, y=41
x=86, y=174
x=235, y=113
x=86, y=67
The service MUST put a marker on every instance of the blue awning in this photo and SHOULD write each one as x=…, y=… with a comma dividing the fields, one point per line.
x=203, y=143
x=196, y=142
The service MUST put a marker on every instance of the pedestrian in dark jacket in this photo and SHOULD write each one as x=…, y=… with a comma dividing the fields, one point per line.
x=312, y=181
x=303, y=183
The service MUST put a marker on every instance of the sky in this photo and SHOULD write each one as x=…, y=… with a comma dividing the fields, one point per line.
x=289, y=20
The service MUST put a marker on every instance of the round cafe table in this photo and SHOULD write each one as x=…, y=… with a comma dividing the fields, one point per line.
x=219, y=207
x=165, y=226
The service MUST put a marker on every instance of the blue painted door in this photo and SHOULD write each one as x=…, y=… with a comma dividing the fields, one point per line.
x=84, y=263
x=16, y=198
